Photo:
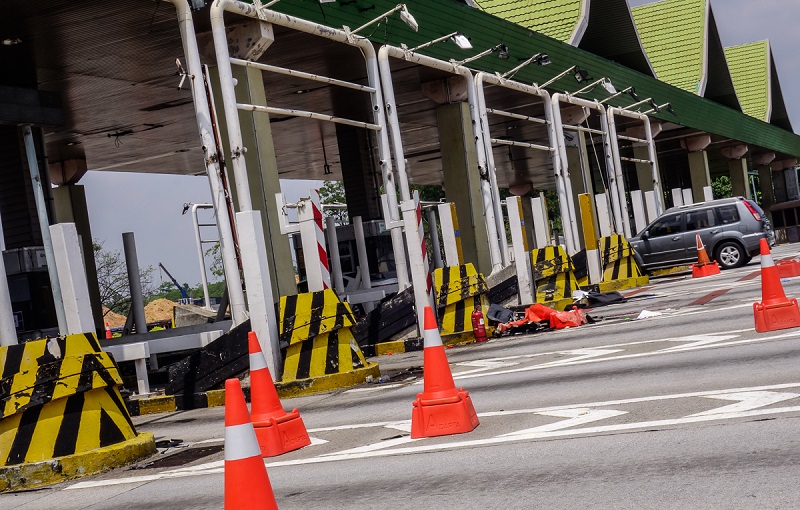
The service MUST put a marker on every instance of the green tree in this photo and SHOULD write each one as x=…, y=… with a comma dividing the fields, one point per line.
x=112, y=278
x=332, y=192
x=721, y=187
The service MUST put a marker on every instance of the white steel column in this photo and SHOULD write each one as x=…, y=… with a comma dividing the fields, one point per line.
x=8, y=330
x=522, y=257
x=361, y=248
x=336, y=260
x=417, y=255
x=44, y=226
x=72, y=275
x=203, y=115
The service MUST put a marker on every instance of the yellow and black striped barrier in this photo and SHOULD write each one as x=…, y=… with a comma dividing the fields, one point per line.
x=458, y=291
x=554, y=277
x=620, y=270
x=316, y=327
x=61, y=413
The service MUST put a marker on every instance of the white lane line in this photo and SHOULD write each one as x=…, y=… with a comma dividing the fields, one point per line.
x=578, y=355
x=747, y=401
x=388, y=443
x=522, y=435
x=575, y=417
x=374, y=388
x=697, y=341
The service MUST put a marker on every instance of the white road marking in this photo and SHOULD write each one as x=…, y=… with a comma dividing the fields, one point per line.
x=388, y=443
x=373, y=388
x=575, y=416
x=579, y=355
x=753, y=397
x=747, y=401
x=697, y=341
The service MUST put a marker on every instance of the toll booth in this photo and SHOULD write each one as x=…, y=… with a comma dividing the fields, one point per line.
x=30, y=292
x=379, y=252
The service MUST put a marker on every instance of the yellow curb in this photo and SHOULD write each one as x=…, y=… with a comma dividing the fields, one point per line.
x=70, y=467
x=395, y=346
x=670, y=270
x=312, y=385
x=623, y=284
x=215, y=398
x=155, y=405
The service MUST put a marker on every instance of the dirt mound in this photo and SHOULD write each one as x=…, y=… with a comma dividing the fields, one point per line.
x=159, y=310
x=113, y=319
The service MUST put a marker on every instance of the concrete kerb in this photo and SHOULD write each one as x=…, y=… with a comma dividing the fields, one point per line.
x=216, y=398
x=61, y=469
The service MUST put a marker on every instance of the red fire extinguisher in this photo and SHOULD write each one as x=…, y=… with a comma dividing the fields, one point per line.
x=478, y=326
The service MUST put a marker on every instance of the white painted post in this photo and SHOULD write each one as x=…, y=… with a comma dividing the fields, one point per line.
x=450, y=235
x=336, y=261
x=639, y=215
x=603, y=217
x=522, y=257
x=313, y=241
x=677, y=197
x=540, y=229
x=651, y=206
x=435, y=244
x=418, y=258
x=261, y=303
x=361, y=249
x=72, y=276
x=688, y=198
x=708, y=193
x=8, y=330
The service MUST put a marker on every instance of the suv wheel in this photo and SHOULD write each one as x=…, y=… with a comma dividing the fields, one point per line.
x=730, y=255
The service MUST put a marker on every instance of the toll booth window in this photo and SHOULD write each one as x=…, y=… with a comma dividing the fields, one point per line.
x=727, y=214
x=667, y=225
x=696, y=220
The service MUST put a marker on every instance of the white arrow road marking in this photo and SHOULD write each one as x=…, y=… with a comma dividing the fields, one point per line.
x=696, y=341
x=580, y=355
x=388, y=443
x=577, y=416
x=741, y=394
x=483, y=365
x=747, y=401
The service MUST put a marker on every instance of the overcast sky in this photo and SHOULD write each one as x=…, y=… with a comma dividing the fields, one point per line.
x=150, y=205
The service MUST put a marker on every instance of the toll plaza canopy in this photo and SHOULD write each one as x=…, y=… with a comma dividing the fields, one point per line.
x=113, y=67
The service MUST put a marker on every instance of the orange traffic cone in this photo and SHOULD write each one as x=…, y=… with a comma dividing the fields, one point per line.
x=704, y=266
x=277, y=431
x=775, y=311
x=109, y=334
x=440, y=409
x=246, y=481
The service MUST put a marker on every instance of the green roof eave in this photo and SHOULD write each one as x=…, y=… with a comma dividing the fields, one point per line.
x=444, y=16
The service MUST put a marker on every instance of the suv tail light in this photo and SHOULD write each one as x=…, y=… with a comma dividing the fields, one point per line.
x=752, y=210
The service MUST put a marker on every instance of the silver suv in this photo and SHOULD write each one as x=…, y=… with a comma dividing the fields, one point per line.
x=731, y=230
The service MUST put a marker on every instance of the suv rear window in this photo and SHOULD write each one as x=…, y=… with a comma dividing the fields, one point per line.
x=727, y=214
x=703, y=218
x=666, y=225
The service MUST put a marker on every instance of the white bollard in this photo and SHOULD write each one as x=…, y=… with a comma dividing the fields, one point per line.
x=639, y=215
x=361, y=249
x=540, y=221
x=72, y=276
x=650, y=204
x=522, y=258
x=688, y=198
x=451, y=237
x=677, y=197
x=708, y=193
x=603, y=216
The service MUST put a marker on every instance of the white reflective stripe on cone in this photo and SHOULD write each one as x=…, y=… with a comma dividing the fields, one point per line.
x=766, y=261
x=241, y=442
x=432, y=338
x=257, y=361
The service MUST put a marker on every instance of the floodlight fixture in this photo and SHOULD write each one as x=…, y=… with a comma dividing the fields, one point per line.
x=458, y=38
x=629, y=90
x=604, y=82
x=500, y=49
x=541, y=59
x=579, y=74
x=405, y=16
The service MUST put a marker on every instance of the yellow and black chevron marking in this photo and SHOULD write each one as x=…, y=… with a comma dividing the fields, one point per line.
x=457, y=283
x=457, y=317
x=325, y=354
x=304, y=316
x=553, y=274
x=617, y=256
x=59, y=397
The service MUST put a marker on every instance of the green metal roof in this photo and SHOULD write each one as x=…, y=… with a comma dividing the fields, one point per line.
x=749, y=66
x=445, y=16
x=673, y=33
x=559, y=19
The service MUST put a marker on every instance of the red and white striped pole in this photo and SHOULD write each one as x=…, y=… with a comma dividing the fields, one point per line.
x=418, y=258
x=312, y=236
